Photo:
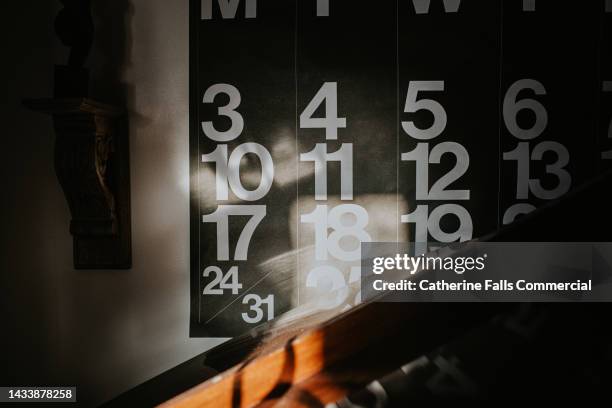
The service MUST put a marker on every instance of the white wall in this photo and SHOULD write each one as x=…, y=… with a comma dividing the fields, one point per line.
x=104, y=331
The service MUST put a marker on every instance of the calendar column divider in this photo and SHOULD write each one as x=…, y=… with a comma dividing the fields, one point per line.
x=397, y=120
x=500, y=109
x=599, y=77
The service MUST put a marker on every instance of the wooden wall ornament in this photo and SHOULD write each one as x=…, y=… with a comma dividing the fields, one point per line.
x=91, y=152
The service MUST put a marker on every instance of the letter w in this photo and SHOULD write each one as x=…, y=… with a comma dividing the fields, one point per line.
x=228, y=8
x=422, y=6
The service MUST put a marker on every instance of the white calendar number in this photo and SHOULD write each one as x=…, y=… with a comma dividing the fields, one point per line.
x=328, y=94
x=521, y=156
x=221, y=218
x=331, y=280
x=512, y=107
x=430, y=224
x=423, y=158
x=557, y=169
x=229, y=111
x=414, y=104
x=228, y=8
x=321, y=157
x=518, y=209
x=525, y=183
x=422, y=6
x=322, y=8
x=222, y=282
x=228, y=171
x=529, y=5
x=256, y=304
x=324, y=219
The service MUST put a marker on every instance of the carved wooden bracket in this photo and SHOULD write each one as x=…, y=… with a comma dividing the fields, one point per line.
x=92, y=165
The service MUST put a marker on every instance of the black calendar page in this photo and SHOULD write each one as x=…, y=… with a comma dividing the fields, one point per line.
x=317, y=125
x=254, y=59
x=356, y=65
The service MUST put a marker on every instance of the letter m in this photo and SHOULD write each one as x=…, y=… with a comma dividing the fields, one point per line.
x=422, y=6
x=228, y=8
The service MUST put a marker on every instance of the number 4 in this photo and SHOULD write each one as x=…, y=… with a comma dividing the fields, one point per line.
x=331, y=122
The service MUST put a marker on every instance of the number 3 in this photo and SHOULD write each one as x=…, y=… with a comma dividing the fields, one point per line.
x=228, y=110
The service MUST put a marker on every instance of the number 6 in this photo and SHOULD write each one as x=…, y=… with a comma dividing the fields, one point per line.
x=512, y=107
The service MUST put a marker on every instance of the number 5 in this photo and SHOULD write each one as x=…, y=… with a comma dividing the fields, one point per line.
x=413, y=105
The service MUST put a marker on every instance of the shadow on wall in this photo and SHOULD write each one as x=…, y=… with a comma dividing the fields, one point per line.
x=112, y=50
x=29, y=190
